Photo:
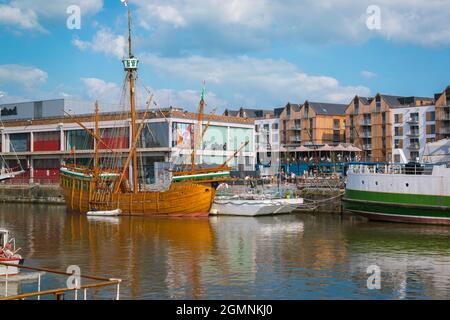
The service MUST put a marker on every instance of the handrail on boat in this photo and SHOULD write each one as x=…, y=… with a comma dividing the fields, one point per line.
x=59, y=292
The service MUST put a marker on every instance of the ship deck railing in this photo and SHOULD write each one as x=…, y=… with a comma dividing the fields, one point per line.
x=392, y=169
x=79, y=291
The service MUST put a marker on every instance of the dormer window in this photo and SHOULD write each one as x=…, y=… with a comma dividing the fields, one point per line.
x=356, y=104
x=378, y=104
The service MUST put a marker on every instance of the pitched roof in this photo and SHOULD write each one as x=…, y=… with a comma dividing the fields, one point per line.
x=366, y=100
x=294, y=106
x=231, y=113
x=277, y=112
x=402, y=102
x=328, y=108
x=249, y=113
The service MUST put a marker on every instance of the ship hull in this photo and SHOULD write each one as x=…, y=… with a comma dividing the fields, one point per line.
x=399, y=198
x=180, y=200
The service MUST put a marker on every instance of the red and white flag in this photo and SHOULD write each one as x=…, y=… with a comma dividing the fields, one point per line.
x=124, y=2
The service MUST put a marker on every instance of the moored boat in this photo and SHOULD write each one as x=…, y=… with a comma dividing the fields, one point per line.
x=399, y=193
x=252, y=206
x=114, y=183
x=8, y=254
x=108, y=213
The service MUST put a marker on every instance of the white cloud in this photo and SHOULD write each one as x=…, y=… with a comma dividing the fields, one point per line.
x=104, y=41
x=368, y=74
x=16, y=17
x=25, y=14
x=98, y=89
x=57, y=9
x=260, y=22
x=111, y=94
x=187, y=99
x=255, y=82
x=24, y=76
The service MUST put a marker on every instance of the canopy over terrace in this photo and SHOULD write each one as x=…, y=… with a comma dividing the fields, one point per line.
x=338, y=153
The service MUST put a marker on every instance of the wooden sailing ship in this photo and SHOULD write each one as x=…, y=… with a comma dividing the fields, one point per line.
x=191, y=193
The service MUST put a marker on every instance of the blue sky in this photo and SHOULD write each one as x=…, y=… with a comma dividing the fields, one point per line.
x=253, y=53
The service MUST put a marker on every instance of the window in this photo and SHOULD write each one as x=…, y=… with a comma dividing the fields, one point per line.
x=257, y=128
x=396, y=118
x=397, y=143
x=378, y=104
x=306, y=112
x=397, y=131
x=275, y=126
x=356, y=104
x=336, y=124
x=415, y=117
x=432, y=129
x=431, y=116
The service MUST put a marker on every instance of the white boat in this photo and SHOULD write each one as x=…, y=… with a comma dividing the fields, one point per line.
x=253, y=206
x=8, y=255
x=106, y=213
x=410, y=193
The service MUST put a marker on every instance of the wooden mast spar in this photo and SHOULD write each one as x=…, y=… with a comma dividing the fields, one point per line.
x=131, y=77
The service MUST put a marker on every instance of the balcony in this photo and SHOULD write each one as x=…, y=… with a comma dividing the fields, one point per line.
x=445, y=117
x=444, y=130
x=296, y=128
x=367, y=147
x=414, y=146
x=366, y=122
x=366, y=134
x=413, y=133
x=295, y=139
x=413, y=120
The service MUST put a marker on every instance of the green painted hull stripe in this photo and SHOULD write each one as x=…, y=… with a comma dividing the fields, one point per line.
x=83, y=176
x=418, y=199
x=201, y=176
x=427, y=203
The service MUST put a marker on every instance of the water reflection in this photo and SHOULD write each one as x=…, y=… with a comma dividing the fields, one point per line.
x=284, y=257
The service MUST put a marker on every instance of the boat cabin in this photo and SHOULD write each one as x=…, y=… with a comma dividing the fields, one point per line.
x=5, y=239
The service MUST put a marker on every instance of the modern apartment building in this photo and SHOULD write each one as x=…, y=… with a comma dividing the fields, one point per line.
x=413, y=127
x=443, y=114
x=43, y=140
x=267, y=136
x=313, y=124
x=370, y=123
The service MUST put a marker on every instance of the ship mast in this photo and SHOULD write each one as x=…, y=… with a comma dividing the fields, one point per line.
x=97, y=141
x=130, y=66
x=199, y=131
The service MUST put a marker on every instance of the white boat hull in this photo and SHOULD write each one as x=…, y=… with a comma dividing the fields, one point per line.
x=10, y=270
x=110, y=213
x=253, y=208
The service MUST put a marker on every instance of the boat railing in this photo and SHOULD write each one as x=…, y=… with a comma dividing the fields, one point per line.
x=392, y=169
x=78, y=291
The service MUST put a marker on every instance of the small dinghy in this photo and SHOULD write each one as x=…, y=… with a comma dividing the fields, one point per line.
x=105, y=213
x=252, y=206
x=8, y=254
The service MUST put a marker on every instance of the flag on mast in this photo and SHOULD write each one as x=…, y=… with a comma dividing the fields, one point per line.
x=124, y=3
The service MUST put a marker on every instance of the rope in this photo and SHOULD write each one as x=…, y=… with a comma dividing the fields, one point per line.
x=324, y=200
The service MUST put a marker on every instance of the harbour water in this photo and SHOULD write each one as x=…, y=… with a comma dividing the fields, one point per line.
x=299, y=256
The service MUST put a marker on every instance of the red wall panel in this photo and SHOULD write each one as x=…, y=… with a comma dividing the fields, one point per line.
x=52, y=145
